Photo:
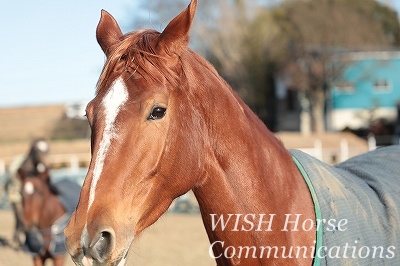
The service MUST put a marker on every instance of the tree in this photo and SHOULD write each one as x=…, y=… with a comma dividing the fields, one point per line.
x=316, y=30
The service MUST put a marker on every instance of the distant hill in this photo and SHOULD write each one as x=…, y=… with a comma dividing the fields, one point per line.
x=26, y=123
x=19, y=126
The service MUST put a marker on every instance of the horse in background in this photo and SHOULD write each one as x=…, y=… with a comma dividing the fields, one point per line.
x=46, y=207
x=37, y=155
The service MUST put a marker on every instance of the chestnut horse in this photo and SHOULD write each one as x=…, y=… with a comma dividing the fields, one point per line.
x=163, y=123
x=47, y=207
x=26, y=164
x=41, y=211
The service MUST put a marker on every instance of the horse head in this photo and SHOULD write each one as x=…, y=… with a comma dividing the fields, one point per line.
x=137, y=119
x=35, y=191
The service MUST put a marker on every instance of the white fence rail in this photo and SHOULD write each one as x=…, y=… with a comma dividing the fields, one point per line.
x=72, y=160
x=344, y=152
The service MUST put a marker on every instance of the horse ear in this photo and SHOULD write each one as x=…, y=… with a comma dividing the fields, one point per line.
x=175, y=36
x=108, y=32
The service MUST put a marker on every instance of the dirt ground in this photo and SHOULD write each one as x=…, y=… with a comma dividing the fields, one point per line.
x=176, y=239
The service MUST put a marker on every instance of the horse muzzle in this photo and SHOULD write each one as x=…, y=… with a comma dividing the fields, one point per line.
x=99, y=250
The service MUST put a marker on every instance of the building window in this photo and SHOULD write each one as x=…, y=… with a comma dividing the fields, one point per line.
x=345, y=87
x=381, y=86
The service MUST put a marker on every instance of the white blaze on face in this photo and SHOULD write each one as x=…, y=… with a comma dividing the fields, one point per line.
x=29, y=188
x=112, y=103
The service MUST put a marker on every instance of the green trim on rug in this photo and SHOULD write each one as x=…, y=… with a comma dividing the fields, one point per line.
x=317, y=209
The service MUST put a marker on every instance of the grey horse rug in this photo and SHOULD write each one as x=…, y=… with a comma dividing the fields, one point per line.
x=68, y=194
x=363, y=193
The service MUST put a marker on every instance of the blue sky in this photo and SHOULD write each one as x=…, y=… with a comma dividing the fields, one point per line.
x=49, y=53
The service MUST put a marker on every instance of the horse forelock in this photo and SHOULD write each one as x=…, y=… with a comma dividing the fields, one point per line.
x=136, y=53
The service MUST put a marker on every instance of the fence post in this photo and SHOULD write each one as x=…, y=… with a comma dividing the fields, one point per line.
x=318, y=149
x=344, y=150
x=2, y=167
x=371, y=142
x=74, y=163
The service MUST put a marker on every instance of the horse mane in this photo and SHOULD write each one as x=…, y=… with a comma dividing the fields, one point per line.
x=136, y=53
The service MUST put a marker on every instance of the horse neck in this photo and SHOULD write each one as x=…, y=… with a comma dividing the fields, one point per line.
x=247, y=171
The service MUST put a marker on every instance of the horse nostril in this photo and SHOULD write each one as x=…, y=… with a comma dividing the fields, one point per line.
x=102, y=246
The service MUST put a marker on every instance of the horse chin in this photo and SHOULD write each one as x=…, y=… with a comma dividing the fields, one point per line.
x=85, y=261
x=122, y=259
x=122, y=262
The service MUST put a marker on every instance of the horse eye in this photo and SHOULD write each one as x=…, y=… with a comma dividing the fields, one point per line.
x=123, y=57
x=157, y=113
